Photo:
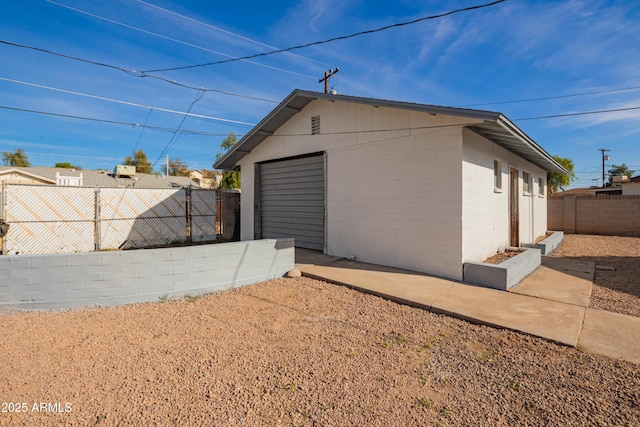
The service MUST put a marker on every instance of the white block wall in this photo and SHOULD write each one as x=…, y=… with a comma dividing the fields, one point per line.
x=77, y=280
x=393, y=198
x=485, y=214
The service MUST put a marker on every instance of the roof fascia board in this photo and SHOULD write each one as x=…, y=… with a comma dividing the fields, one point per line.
x=256, y=130
x=258, y=134
x=509, y=126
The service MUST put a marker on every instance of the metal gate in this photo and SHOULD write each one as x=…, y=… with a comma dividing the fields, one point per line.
x=292, y=199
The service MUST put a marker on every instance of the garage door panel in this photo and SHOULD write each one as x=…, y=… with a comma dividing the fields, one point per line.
x=308, y=212
x=292, y=200
x=303, y=171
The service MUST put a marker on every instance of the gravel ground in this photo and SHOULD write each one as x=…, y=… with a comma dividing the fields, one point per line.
x=298, y=352
x=619, y=290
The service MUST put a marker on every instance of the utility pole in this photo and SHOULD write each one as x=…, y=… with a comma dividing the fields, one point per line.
x=602, y=150
x=327, y=76
x=167, y=165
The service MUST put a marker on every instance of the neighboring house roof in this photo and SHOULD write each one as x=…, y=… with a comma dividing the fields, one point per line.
x=94, y=178
x=22, y=171
x=495, y=127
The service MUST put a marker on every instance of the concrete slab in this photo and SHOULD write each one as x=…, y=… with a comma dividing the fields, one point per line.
x=582, y=269
x=308, y=257
x=400, y=285
x=555, y=285
x=552, y=320
x=611, y=334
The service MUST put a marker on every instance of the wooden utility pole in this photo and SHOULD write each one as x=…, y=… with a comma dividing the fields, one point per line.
x=603, y=150
x=327, y=76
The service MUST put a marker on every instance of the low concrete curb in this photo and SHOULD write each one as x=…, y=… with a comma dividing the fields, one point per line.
x=548, y=245
x=504, y=275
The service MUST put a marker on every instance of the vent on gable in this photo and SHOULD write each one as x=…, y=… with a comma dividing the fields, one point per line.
x=315, y=125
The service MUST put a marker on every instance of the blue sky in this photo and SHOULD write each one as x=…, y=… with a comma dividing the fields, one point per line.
x=517, y=50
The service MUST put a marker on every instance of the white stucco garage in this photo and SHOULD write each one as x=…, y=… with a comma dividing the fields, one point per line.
x=393, y=183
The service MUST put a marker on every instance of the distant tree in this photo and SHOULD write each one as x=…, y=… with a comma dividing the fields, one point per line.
x=178, y=168
x=17, y=158
x=230, y=179
x=560, y=181
x=619, y=171
x=66, y=165
x=140, y=161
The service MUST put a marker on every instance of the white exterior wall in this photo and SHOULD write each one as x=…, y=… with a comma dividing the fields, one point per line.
x=485, y=212
x=393, y=198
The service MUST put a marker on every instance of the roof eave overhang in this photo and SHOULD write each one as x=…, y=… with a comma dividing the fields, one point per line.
x=507, y=135
x=493, y=126
x=288, y=108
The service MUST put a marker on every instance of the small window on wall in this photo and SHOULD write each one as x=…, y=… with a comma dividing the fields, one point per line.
x=526, y=183
x=540, y=186
x=497, y=175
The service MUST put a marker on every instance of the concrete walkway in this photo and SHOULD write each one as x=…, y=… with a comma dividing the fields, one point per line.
x=551, y=303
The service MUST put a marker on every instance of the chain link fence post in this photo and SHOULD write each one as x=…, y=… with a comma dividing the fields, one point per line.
x=97, y=230
x=187, y=203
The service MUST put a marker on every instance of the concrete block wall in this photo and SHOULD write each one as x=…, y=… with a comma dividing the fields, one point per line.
x=554, y=213
x=611, y=215
x=373, y=215
x=485, y=212
x=78, y=280
x=619, y=215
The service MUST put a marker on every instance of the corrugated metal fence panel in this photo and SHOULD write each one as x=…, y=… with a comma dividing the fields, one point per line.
x=203, y=215
x=292, y=200
x=49, y=219
x=138, y=218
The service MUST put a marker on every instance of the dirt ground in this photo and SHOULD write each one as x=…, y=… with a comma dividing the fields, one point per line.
x=617, y=281
x=297, y=352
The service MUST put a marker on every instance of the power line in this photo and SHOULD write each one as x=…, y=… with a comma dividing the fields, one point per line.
x=333, y=39
x=553, y=97
x=134, y=73
x=579, y=114
x=114, y=122
x=142, y=131
x=213, y=27
x=151, y=33
x=332, y=133
x=173, y=138
x=117, y=101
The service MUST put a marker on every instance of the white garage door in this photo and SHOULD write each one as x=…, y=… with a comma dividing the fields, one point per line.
x=292, y=200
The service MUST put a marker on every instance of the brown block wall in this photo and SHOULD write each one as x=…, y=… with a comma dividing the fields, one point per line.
x=610, y=215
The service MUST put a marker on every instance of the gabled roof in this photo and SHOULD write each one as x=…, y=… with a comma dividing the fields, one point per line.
x=24, y=172
x=495, y=127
